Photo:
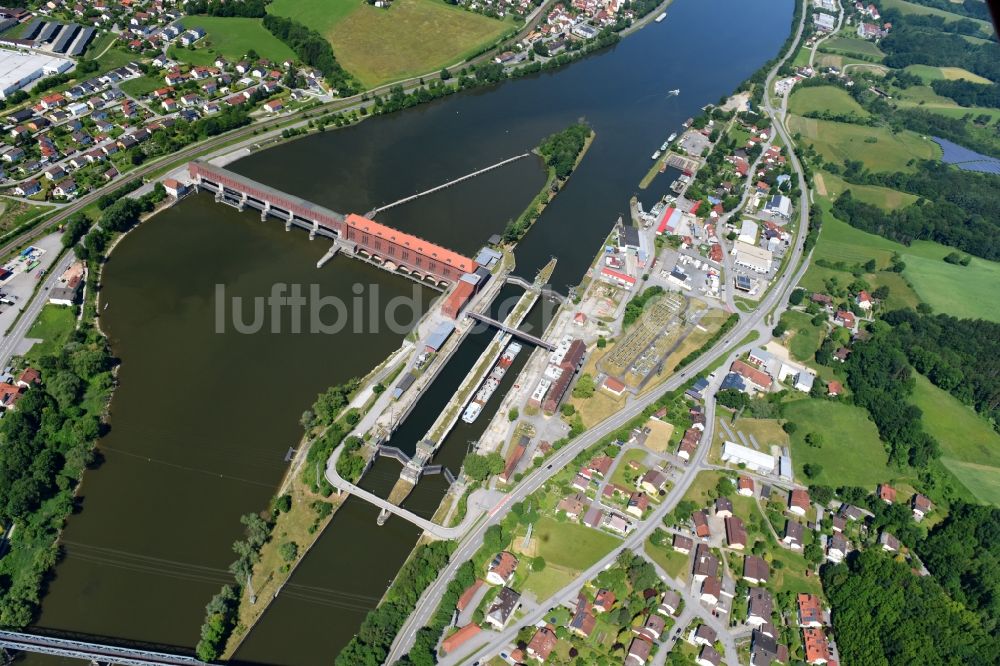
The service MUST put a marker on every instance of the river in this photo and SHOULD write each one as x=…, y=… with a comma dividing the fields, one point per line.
x=201, y=421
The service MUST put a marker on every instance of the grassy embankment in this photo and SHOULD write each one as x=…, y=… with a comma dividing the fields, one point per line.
x=411, y=38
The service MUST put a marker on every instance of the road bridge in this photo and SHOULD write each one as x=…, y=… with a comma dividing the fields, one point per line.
x=456, y=181
x=96, y=653
x=517, y=333
x=354, y=235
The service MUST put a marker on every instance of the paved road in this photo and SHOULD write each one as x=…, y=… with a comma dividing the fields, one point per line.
x=776, y=299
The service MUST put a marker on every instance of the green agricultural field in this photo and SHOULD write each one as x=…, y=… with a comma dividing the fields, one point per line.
x=963, y=291
x=852, y=45
x=824, y=98
x=851, y=454
x=964, y=435
x=982, y=481
x=232, y=38
x=877, y=147
x=411, y=38
x=832, y=186
x=911, y=8
x=930, y=73
x=53, y=328
x=568, y=549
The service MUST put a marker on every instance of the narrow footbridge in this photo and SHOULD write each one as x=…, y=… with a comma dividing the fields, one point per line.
x=456, y=181
x=95, y=653
x=527, y=337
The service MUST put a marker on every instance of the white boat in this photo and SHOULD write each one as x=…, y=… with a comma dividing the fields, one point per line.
x=664, y=146
x=661, y=17
x=672, y=137
x=491, y=383
x=675, y=91
x=656, y=155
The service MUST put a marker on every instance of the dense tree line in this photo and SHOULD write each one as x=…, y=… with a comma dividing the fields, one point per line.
x=883, y=614
x=957, y=355
x=971, y=8
x=963, y=553
x=881, y=380
x=371, y=644
x=245, y=8
x=967, y=93
x=45, y=445
x=633, y=309
x=312, y=49
x=938, y=220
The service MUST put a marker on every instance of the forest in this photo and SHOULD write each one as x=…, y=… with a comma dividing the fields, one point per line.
x=963, y=553
x=313, y=49
x=957, y=355
x=911, y=43
x=883, y=614
x=563, y=148
x=967, y=93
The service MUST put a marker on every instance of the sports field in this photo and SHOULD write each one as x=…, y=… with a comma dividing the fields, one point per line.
x=877, y=147
x=824, y=98
x=411, y=38
x=232, y=38
x=970, y=448
x=851, y=454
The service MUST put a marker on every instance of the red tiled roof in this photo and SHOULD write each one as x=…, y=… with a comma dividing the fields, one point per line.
x=425, y=248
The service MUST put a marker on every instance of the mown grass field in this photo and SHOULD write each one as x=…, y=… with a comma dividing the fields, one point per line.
x=852, y=452
x=567, y=548
x=824, y=98
x=674, y=563
x=805, y=338
x=877, y=147
x=930, y=73
x=833, y=186
x=854, y=45
x=142, y=85
x=231, y=38
x=411, y=38
x=53, y=328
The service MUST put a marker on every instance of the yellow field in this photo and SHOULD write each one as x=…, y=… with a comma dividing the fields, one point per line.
x=411, y=38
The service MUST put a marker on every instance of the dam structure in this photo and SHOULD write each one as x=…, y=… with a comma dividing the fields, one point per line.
x=353, y=235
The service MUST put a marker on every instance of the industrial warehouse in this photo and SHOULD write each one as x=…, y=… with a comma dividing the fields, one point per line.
x=18, y=69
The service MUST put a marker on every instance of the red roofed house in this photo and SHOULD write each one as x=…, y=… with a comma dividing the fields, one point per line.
x=798, y=502
x=886, y=493
x=760, y=379
x=863, y=300
x=542, y=643
x=502, y=568
x=604, y=600
x=467, y=596
x=834, y=388
x=810, y=610
x=745, y=486
x=458, y=638
x=846, y=319
x=611, y=275
x=29, y=377
x=613, y=386
x=816, y=645
x=9, y=395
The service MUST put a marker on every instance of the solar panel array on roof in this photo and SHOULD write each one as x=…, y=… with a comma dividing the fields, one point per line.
x=32, y=30
x=7, y=24
x=47, y=33
x=65, y=37
x=80, y=44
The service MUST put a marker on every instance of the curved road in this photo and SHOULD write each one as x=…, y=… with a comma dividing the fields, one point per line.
x=775, y=299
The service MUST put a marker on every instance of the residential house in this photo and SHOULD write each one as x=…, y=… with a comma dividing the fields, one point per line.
x=886, y=493
x=816, y=645
x=723, y=507
x=670, y=603
x=30, y=377
x=745, y=486
x=704, y=635
x=846, y=319
x=27, y=188
x=652, y=628
x=706, y=565
x=502, y=568
x=711, y=589
x=583, y=621
x=573, y=506
x=638, y=502
x=700, y=520
x=888, y=542
x=638, y=652
x=683, y=544
x=793, y=535
x=863, y=300
x=65, y=188
x=500, y=611
x=921, y=505
x=708, y=656
x=653, y=481
x=459, y=638
x=604, y=600
x=468, y=595
x=755, y=570
x=810, y=610
x=765, y=650
x=836, y=548
x=760, y=607
x=798, y=501
x=542, y=643
x=736, y=533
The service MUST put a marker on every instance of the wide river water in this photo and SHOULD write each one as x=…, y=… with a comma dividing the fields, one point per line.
x=202, y=419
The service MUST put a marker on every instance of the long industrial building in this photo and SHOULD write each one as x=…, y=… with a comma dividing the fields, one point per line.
x=18, y=69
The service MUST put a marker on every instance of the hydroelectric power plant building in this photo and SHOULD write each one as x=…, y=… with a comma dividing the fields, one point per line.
x=356, y=235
